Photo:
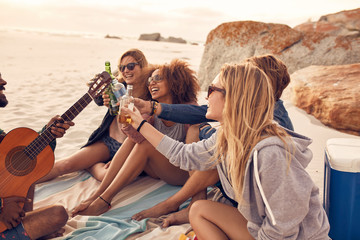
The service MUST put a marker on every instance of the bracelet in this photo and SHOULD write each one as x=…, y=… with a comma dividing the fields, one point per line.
x=203, y=124
x=141, y=124
x=154, y=105
x=109, y=205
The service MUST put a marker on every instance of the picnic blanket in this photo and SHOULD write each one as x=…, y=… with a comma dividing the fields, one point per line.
x=116, y=224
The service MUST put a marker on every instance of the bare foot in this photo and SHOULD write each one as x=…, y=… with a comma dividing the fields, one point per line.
x=96, y=208
x=155, y=211
x=82, y=206
x=56, y=234
x=177, y=218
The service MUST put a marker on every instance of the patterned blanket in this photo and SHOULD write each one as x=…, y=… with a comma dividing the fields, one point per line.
x=115, y=224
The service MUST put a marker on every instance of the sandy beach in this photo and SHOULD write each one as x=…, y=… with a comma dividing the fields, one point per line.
x=47, y=73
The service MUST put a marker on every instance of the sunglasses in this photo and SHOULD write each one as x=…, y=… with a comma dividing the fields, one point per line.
x=156, y=78
x=129, y=66
x=211, y=89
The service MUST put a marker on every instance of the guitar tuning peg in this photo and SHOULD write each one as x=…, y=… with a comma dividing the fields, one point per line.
x=93, y=80
x=89, y=83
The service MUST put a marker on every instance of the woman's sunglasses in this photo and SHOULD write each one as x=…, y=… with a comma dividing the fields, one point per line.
x=129, y=66
x=156, y=78
x=211, y=89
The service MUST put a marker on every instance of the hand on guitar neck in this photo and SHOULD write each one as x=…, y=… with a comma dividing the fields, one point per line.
x=59, y=126
x=25, y=156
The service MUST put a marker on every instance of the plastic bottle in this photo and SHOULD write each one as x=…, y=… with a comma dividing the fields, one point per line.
x=128, y=100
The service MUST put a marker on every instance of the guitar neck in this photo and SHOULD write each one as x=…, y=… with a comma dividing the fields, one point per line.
x=75, y=109
x=44, y=139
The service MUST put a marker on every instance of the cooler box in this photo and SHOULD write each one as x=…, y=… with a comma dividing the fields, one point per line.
x=342, y=187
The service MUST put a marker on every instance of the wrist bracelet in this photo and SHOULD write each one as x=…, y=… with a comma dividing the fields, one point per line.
x=142, y=123
x=109, y=205
x=154, y=105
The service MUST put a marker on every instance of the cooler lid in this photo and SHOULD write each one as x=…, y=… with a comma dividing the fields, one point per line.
x=344, y=154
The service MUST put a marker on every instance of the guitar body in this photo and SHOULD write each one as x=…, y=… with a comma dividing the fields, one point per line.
x=25, y=156
x=17, y=171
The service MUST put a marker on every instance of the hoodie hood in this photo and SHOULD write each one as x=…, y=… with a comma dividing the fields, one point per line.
x=298, y=147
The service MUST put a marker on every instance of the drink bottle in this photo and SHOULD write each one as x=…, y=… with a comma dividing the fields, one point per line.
x=115, y=91
x=127, y=100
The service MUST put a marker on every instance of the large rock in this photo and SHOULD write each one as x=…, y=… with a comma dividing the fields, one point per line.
x=235, y=41
x=150, y=37
x=175, y=40
x=158, y=38
x=329, y=93
x=341, y=23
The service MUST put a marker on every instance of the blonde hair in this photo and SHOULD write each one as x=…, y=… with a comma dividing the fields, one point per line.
x=247, y=118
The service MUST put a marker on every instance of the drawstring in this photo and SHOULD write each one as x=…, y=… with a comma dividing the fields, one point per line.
x=257, y=178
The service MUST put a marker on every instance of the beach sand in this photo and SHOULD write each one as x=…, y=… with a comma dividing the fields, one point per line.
x=47, y=73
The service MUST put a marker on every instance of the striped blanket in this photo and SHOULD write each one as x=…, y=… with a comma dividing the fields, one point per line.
x=115, y=224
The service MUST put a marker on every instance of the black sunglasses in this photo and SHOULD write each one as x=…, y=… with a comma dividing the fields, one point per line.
x=211, y=89
x=129, y=66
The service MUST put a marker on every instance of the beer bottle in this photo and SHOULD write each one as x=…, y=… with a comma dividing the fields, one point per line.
x=115, y=91
x=127, y=100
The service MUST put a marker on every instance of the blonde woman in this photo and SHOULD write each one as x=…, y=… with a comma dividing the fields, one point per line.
x=260, y=164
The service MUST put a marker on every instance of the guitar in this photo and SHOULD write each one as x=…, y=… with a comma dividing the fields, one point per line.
x=25, y=156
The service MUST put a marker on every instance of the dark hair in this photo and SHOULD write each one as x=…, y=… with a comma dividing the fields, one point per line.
x=276, y=71
x=182, y=81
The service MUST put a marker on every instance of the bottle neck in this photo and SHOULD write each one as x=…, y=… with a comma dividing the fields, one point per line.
x=129, y=90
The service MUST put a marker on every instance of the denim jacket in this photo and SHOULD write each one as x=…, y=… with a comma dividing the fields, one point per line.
x=192, y=114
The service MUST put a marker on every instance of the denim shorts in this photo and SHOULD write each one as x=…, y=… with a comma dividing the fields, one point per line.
x=111, y=144
x=17, y=233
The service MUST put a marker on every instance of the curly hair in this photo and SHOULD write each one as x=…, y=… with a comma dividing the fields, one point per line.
x=182, y=81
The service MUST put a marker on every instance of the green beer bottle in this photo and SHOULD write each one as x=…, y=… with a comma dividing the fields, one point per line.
x=115, y=91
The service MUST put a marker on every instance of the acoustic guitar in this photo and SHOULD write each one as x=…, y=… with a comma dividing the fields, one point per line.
x=25, y=156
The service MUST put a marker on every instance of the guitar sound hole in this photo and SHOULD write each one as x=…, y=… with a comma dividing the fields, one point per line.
x=18, y=163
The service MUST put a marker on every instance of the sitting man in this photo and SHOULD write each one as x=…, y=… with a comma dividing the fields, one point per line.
x=23, y=223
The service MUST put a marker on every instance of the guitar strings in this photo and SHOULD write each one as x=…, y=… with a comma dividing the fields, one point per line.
x=43, y=140
x=31, y=151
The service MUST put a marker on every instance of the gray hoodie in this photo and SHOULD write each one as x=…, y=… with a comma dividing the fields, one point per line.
x=280, y=201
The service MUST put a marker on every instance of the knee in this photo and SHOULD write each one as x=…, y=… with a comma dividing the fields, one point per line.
x=196, y=210
x=64, y=166
x=59, y=215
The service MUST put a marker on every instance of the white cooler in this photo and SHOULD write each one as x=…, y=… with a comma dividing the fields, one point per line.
x=342, y=187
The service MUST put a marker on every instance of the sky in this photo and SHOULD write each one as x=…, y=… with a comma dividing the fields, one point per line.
x=188, y=19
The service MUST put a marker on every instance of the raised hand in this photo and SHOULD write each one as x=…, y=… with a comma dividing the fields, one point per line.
x=143, y=106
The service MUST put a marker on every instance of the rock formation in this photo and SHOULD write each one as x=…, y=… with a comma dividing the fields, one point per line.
x=158, y=37
x=346, y=23
x=150, y=37
x=329, y=93
x=235, y=41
